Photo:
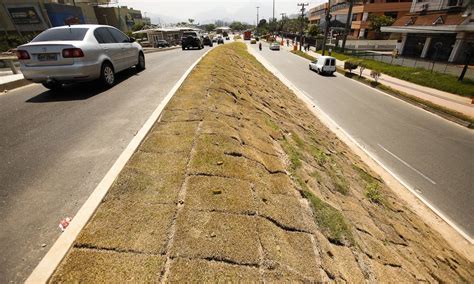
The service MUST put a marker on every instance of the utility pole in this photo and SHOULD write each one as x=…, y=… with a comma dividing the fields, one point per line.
x=274, y=10
x=326, y=30
x=302, y=5
x=256, y=27
x=348, y=25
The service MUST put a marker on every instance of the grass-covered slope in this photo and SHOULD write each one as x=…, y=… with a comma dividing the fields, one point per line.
x=238, y=181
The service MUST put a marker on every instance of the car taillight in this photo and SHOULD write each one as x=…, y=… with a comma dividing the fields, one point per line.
x=22, y=54
x=72, y=52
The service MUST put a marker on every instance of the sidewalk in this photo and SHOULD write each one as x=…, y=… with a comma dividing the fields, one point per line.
x=11, y=81
x=444, y=99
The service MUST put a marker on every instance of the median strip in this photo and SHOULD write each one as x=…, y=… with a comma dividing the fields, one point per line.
x=238, y=181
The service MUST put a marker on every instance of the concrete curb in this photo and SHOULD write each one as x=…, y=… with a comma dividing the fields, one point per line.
x=45, y=269
x=14, y=84
x=457, y=239
x=146, y=51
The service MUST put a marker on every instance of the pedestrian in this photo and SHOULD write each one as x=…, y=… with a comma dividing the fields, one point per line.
x=287, y=42
x=260, y=46
x=330, y=51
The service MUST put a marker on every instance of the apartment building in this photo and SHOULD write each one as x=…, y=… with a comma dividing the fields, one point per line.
x=121, y=17
x=361, y=11
x=437, y=30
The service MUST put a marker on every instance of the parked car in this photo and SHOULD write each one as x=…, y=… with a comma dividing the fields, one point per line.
x=324, y=65
x=253, y=41
x=274, y=46
x=161, y=43
x=207, y=41
x=220, y=40
x=76, y=53
x=191, y=39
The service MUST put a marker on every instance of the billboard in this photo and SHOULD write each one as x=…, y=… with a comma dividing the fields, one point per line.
x=60, y=15
x=24, y=15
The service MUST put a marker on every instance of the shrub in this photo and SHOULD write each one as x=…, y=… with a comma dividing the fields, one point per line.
x=376, y=75
x=350, y=65
x=361, y=68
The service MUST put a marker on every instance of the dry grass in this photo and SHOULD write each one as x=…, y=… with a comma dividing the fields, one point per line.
x=240, y=181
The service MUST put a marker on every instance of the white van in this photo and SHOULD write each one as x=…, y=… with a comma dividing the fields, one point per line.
x=324, y=65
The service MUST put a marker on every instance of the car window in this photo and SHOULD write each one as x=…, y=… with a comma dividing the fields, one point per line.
x=326, y=63
x=333, y=62
x=63, y=34
x=103, y=36
x=186, y=34
x=118, y=35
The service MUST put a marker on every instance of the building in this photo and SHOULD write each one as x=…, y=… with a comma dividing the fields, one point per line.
x=29, y=17
x=437, y=30
x=361, y=12
x=121, y=17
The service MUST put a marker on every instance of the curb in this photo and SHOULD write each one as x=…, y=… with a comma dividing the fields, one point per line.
x=45, y=269
x=14, y=84
x=453, y=235
x=407, y=98
x=146, y=51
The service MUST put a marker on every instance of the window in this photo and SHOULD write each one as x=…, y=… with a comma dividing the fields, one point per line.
x=103, y=36
x=333, y=62
x=62, y=34
x=118, y=35
x=354, y=17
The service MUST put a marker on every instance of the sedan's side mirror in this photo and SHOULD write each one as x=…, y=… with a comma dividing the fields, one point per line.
x=132, y=39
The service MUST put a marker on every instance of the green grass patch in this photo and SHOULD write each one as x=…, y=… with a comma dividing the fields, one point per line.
x=331, y=222
x=299, y=142
x=319, y=156
x=303, y=54
x=420, y=76
x=272, y=124
x=293, y=155
x=373, y=193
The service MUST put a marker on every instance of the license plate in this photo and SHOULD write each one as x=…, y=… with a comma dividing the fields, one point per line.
x=47, y=57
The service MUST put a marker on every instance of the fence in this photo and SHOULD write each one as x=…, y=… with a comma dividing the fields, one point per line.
x=440, y=67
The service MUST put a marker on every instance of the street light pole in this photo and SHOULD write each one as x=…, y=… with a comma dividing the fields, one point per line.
x=348, y=25
x=302, y=5
x=326, y=30
x=274, y=10
x=257, y=19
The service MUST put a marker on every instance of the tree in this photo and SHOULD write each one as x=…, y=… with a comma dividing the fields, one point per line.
x=191, y=21
x=237, y=26
x=376, y=75
x=209, y=27
x=378, y=21
x=138, y=26
x=313, y=30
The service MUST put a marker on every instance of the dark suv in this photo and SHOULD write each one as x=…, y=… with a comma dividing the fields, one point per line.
x=191, y=40
x=207, y=41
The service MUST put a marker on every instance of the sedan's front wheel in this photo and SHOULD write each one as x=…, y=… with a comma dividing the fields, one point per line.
x=107, y=75
x=141, y=62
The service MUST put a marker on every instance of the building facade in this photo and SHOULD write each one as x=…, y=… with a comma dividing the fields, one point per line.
x=361, y=12
x=437, y=30
x=29, y=17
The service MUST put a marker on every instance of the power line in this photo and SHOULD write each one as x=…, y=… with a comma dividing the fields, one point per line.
x=302, y=5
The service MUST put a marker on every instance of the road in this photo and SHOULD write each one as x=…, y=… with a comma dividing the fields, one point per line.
x=55, y=149
x=430, y=154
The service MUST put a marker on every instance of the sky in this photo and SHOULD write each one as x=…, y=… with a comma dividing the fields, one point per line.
x=207, y=11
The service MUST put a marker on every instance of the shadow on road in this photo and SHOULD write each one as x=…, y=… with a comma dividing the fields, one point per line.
x=80, y=91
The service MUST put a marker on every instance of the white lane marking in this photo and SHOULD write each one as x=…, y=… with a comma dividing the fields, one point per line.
x=354, y=144
x=406, y=164
x=45, y=269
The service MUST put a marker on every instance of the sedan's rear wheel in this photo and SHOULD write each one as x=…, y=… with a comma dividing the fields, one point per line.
x=107, y=75
x=53, y=86
x=141, y=62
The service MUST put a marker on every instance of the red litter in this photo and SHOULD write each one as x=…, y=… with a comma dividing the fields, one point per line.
x=64, y=223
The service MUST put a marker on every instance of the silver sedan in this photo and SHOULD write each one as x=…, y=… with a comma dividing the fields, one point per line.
x=78, y=53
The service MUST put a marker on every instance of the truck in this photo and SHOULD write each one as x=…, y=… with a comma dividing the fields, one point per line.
x=247, y=35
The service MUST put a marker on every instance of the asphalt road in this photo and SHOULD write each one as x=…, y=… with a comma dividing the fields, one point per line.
x=55, y=149
x=430, y=154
